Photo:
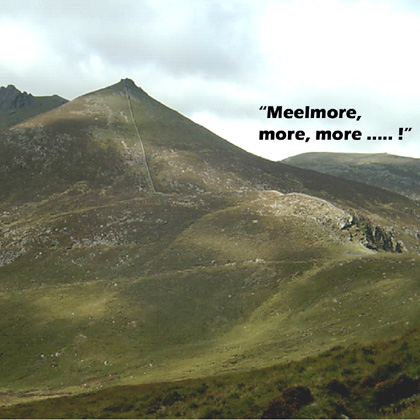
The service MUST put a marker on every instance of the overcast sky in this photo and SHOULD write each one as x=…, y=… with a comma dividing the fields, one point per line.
x=218, y=61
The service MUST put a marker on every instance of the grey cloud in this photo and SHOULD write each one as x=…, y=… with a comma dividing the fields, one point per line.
x=196, y=56
x=184, y=37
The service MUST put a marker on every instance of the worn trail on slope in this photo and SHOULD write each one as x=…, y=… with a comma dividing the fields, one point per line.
x=152, y=187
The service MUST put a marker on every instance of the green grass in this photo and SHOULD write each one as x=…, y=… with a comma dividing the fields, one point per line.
x=105, y=284
x=355, y=381
x=165, y=287
x=189, y=317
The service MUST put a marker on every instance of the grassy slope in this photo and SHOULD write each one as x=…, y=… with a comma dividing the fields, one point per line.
x=359, y=381
x=166, y=300
x=104, y=283
x=394, y=173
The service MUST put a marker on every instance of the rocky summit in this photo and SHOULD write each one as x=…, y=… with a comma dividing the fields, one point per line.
x=11, y=98
x=16, y=106
x=168, y=273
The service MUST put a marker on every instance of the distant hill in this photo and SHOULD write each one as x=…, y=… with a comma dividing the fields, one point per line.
x=394, y=173
x=17, y=106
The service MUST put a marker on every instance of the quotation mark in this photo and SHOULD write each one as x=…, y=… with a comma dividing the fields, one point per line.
x=263, y=108
x=401, y=132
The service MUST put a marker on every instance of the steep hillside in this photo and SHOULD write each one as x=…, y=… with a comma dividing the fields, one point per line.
x=120, y=139
x=139, y=247
x=17, y=106
x=394, y=173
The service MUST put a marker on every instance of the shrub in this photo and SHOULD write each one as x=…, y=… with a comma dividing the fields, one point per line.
x=154, y=405
x=201, y=389
x=386, y=371
x=367, y=382
x=392, y=390
x=367, y=351
x=292, y=399
x=298, y=393
x=119, y=408
x=404, y=346
x=211, y=413
x=337, y=387
x=278, y=409
x=172, y=398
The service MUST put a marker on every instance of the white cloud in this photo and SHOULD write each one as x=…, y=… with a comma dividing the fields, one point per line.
x=331, y=44
x=218, y=61
x=20, y=48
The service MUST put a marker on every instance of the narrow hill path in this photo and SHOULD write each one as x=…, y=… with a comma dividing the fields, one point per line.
x=152, y=187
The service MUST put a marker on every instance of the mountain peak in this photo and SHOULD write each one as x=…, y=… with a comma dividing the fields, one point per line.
x=12, y=98
x=17, y=106
x=130, y=86
x=10, y=87
x=128, y=82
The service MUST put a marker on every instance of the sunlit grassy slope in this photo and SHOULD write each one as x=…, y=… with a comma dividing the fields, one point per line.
x=234, y=264
x=158, y=288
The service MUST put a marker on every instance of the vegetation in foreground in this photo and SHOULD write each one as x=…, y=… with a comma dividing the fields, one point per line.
x=375, y=380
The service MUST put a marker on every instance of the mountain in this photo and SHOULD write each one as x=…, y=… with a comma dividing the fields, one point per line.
x=17, y=106
x=394, y=173
x=137, y=247
x=95, y=139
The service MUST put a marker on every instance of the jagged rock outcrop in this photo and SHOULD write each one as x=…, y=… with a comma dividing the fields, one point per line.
x=373, y=237
x=12, y=98
x=17, y=106
x=341, y=224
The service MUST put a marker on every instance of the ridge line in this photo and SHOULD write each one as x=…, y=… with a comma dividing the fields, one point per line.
x=139, y=137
